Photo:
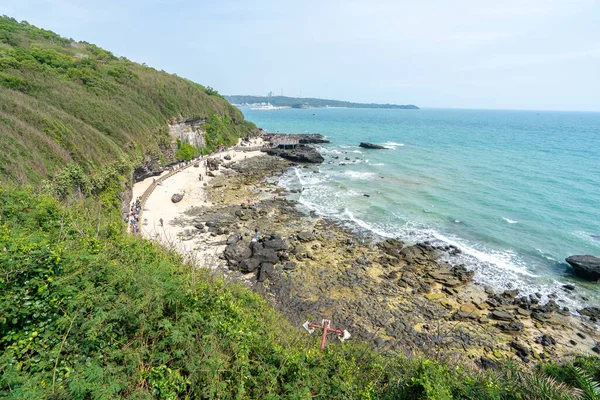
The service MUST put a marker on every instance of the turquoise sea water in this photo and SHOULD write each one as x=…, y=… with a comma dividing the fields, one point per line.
x=517, y=191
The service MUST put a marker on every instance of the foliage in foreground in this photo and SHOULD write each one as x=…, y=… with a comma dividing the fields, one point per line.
x=87, y=311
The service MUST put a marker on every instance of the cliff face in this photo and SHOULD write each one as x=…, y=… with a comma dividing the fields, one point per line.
x=190, y=132
x=72, y=103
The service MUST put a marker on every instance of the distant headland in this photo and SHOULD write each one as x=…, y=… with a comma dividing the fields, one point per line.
x=306, y=102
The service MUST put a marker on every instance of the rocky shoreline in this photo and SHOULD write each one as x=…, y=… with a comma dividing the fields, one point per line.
x=397, y=296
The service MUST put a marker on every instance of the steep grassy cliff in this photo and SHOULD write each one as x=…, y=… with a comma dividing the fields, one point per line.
x=63, y=102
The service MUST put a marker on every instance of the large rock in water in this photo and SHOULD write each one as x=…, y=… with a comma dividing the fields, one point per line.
x=302, y=153
x=366, y=145
x=586, y=266
x=177, y=197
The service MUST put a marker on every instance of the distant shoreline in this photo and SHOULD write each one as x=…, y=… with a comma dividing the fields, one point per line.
x=300, y=102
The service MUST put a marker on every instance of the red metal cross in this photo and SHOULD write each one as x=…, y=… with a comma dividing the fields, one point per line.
x=342, y=334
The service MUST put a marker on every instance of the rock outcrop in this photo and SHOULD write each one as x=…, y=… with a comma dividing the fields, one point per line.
x=587, y=267
x=301, y=154
x=177, y=197
x=366, y=145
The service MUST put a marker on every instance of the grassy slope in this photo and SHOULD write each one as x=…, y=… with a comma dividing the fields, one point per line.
x=71, y=102
x=87, y=311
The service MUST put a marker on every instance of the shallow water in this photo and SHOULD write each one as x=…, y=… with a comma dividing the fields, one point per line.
x=517, y=191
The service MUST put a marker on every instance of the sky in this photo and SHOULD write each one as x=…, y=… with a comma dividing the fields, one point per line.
x=510, y=54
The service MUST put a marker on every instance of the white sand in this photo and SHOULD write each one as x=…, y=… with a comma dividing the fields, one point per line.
x=202, y=249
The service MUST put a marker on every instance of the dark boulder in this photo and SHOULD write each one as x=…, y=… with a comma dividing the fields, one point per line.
x=486, y=363
x=512, y=326
x=521, y=349
x=177, y=197
x=266, y=270
x=256, y=246
x=366, y=145
x=266, y=255
x=546, y=340
x=592, y=312
x=302, y=154
x=587, y=267
x=275, y=244
x=249, y=265
x=238, y=251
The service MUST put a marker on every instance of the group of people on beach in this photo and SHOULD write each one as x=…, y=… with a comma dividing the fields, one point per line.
x=134, y=216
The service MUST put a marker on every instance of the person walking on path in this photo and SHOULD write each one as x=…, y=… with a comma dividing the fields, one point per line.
x=160, y=221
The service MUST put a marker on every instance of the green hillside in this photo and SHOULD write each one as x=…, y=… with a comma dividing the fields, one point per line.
x=88, y=311
x=63, y=101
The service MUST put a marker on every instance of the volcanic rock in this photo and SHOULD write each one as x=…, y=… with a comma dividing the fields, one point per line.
x=367, y=145
x=177, y=197
x=587, y=267
x=238, y=251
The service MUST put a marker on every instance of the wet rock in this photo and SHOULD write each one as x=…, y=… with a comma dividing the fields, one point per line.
x=366, y=145
x=177, y=197
x=540, y=316
x=592, y=312
x=302, y=154
x=569, y=287
x=510, y=294
x=549, y=307
x=238, y=251
x=587, y=267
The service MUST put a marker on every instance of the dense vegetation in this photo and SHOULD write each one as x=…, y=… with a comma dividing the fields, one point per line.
x=298, y=102
x=65, y=102
x=90, y=312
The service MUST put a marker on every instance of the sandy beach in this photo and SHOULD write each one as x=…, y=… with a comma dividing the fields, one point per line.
x=205, y=250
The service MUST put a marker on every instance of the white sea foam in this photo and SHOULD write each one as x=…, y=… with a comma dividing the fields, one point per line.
x=500, y=269
x=393, y=145
x=510, y=221
x=377, y=164
x=359, y=175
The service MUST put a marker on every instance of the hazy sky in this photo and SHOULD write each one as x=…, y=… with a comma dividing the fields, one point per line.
x=522, y=54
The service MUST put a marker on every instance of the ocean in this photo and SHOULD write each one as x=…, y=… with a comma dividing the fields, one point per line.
x=516, y=191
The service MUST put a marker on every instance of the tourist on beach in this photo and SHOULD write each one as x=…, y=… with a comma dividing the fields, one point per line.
x=160, y=221
x=256, y=231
